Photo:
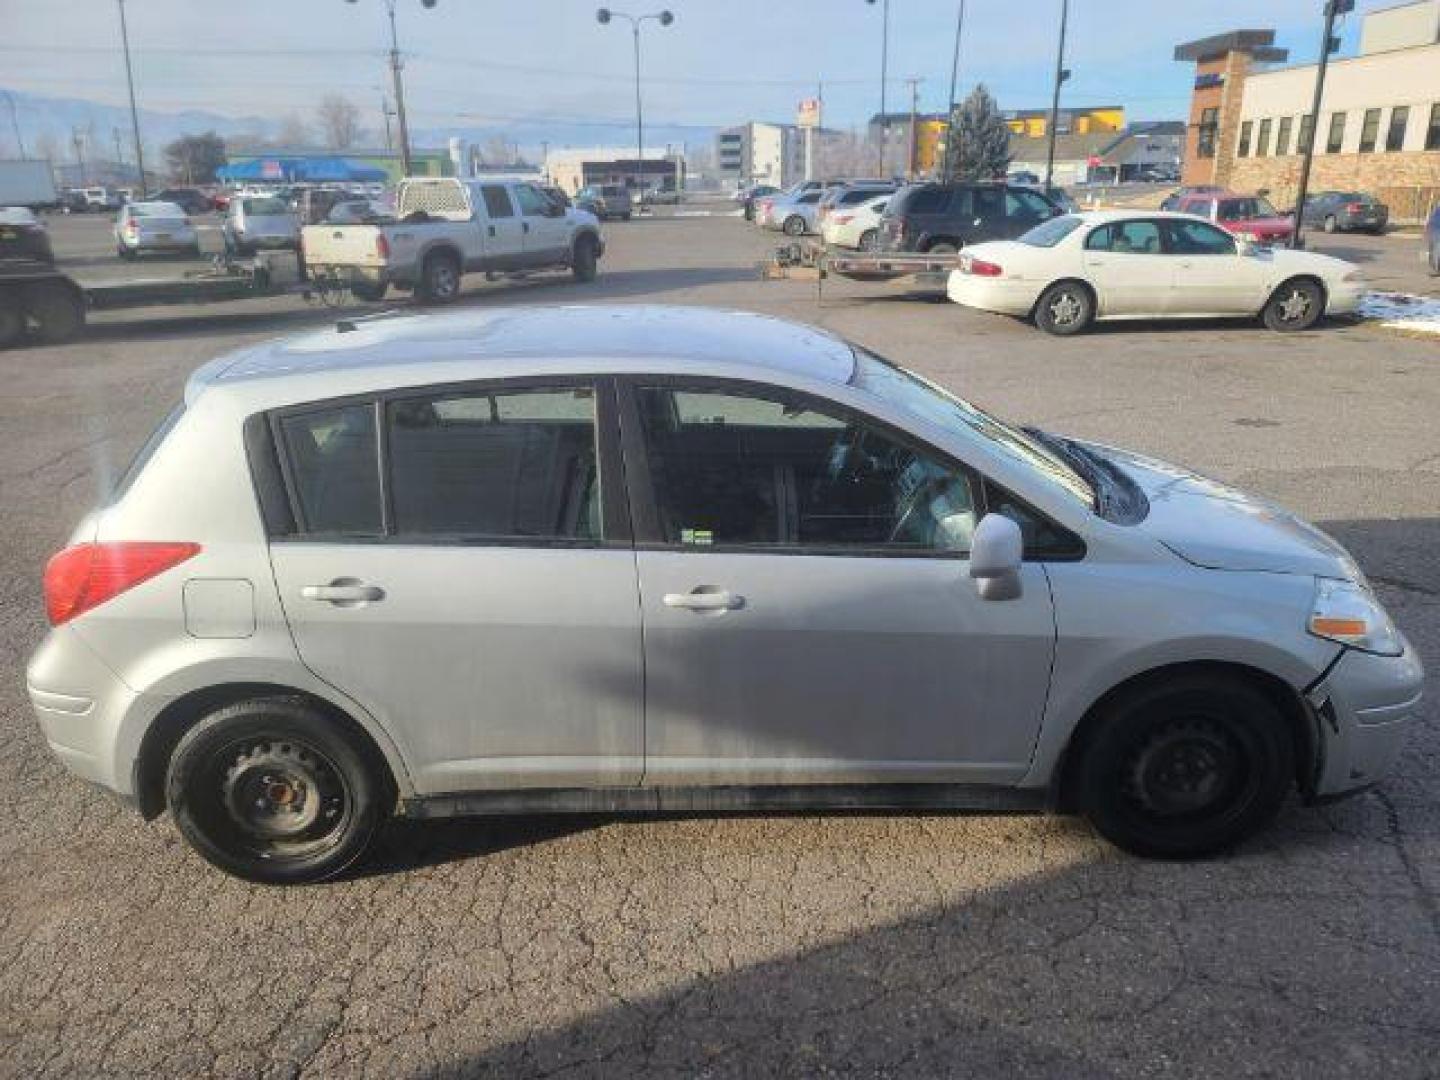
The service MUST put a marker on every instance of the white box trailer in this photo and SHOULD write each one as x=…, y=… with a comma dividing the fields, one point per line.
x=27, y=183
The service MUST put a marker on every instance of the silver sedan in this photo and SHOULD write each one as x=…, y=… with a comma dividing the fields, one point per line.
x=154, y=227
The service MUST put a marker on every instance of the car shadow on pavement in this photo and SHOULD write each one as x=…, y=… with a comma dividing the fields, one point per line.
x=408, y=844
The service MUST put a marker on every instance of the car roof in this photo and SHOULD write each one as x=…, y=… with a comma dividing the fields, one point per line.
x=587, y=339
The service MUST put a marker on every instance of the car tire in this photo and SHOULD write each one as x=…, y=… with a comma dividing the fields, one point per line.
x=1330, y=225
x=1298, y=304
x=56, y=309
x=1065, y=308
x=942, y=247
x=275, y=791
x=1185, y=767
x=12, y=323
x=371, y=292
x=439, y=279
x=794, y=226
x=869, y=240
x=585, y=262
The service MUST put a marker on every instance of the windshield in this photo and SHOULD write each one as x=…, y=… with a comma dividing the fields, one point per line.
x=927, y=401
x=266, y=207
x=1049, y=233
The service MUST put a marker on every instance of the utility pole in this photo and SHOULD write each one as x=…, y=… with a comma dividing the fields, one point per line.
x=949, y=167
x=1327, y=45
x=15, y=120
x=395, y=68
x=1060, y=76
x=884, y=76
x=385, y=114
x=134, y=113
x=914, y=83
x=77, y=140
x=119, y=155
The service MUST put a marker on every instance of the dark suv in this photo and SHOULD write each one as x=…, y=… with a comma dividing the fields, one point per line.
x=191, y=200
x=946, y=217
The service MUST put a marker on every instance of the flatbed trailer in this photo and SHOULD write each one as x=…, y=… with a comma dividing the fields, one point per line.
x=40, y=301
x=813, y=260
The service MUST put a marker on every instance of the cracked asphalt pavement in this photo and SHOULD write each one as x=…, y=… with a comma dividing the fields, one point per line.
x=875, y=945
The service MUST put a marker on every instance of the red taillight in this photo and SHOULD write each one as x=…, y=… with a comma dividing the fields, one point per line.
x=841, y=219
x=1354, y=207
x=85, y=576
x=981, y=268
x=382, y=245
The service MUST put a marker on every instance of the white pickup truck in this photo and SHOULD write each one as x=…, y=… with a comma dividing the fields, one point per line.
x=447, y=227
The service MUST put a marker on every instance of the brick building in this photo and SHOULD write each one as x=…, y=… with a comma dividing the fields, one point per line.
x=1379, y=127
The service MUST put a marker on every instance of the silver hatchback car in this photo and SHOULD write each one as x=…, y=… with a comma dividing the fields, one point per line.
x=657, y=559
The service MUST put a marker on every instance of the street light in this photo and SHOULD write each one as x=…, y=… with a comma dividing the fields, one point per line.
x=949, y=165
x=395, y=66
x=603, y=16
x=1061, y=74
x=884, y=70
x=134, y=114
x=1327, y=46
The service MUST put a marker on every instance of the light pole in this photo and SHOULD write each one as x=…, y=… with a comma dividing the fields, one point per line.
x=1329, y=44
x=134, y=114
x=884, y=74
x=948, y=170
x=664, y=18
x=395, y=68
x=15, y=120
x=1061, y=74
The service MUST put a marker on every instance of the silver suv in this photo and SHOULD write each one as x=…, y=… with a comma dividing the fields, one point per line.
x=662, y=559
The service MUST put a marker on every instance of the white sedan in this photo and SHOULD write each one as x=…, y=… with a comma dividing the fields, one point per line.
x=1075, y=269
x=855, y=226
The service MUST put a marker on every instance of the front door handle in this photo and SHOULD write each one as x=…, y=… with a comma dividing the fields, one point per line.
x=343, y=591
x=492, y=230
x=719, y=600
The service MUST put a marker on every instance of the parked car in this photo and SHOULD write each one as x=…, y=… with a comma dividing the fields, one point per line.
x=191, y=200
x=1250, y=216
x=1073, y=270
x=73, y=201
x=102, y=198
x=803, y=578
x=795, y=215
x=748, y=198
x=846, y=195
x=1062, y=200
x=1432, y=241
x=942, y=218
x=448, y=227
x=856, y=226
x=1172, y=201
x=606, y=201
x=148, y=227
x=1346, y=211
x=23, y=235
x=260, y=221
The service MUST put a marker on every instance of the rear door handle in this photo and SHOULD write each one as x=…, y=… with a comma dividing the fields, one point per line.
x=704, y=601
x=343, y=593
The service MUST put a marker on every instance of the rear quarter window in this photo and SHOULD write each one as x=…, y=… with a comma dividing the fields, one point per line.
x=334, y=470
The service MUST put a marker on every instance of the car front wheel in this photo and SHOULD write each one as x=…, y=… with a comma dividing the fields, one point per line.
x=1296, y=305
x=1185, y=767
x=794, y=225
x=274, y=790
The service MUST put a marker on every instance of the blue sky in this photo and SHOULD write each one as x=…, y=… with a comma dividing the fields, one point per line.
x=492, y=62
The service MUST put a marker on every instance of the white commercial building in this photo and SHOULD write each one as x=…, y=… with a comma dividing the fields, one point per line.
x=663, y=167
x=760, y=153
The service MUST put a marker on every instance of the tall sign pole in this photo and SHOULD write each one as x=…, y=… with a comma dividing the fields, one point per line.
x=134, y=113
x=1060, y=76
x=1327, y=44
x=948, y=169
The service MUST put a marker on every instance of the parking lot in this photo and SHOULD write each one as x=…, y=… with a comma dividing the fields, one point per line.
x=787, y=946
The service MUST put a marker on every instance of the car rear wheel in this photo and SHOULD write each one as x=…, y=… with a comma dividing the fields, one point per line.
x=944, y=247
x=275, y=791
x=1295, y=305
x=439, y=279
x=57, y=311
x=1185, y=768
x=1065, y=308
x=794, y=225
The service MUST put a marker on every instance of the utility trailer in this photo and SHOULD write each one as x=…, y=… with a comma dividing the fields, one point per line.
x=810, y=260
x=37, y=300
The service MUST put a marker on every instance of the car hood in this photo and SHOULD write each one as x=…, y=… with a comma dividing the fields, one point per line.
x=1219, y=527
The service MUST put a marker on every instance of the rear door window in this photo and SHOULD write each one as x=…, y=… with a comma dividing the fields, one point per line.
x=334, y=469
x=497, y=201
x=927, y=201
x=1126, y=238
x=1198, y=238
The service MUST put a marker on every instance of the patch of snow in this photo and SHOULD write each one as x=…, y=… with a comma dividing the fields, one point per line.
x=1402, y=311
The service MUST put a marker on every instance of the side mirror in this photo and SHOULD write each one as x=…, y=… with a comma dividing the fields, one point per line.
x=995, y=553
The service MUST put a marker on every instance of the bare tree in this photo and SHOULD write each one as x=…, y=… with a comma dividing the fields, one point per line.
x=339, y=121
x=293, y=133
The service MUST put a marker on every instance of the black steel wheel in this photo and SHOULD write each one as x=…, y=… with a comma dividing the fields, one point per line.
x=1296, y=305
x=275, y=791
x=1185, y=767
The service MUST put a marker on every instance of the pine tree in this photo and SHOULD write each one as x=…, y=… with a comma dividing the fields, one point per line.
x=980, y=138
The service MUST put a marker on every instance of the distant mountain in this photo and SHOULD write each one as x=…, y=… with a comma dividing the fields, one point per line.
x=60, y=117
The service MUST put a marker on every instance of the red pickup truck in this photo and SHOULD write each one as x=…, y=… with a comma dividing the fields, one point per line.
x=1249, y=216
